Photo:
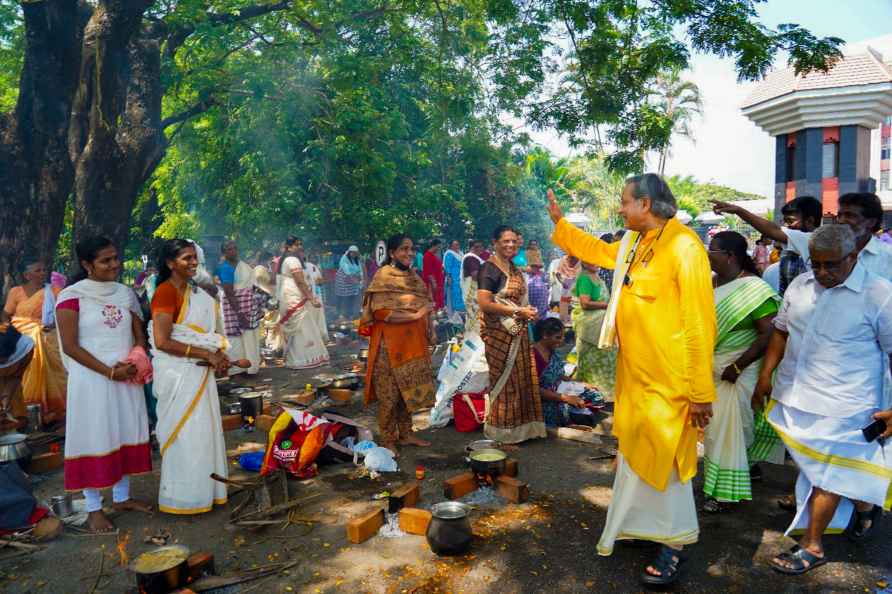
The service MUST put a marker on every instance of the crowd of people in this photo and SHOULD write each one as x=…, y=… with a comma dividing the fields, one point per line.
x=757, y=353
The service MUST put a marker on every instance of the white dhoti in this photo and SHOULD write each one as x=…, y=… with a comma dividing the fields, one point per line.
x=245, y=346
x=638, y=511
x=244, y=343
x=832, y=455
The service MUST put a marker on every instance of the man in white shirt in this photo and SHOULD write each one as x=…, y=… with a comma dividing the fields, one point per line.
x=831, y=349
x=860, y=211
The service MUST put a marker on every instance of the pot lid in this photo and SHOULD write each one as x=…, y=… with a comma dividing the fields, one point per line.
x=449, y=510
x=483, y=444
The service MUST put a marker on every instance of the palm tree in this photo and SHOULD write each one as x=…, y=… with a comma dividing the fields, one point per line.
x=679, y=100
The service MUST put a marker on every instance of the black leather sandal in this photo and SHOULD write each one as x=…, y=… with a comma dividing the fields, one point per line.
x=857, y=531
x=800, y=560
x=668, y=562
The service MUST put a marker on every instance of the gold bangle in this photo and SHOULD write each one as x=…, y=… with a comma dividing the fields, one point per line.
x=736, y=368
x=188, y=350
x=111, y=374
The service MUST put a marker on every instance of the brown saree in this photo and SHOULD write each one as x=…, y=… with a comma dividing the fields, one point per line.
x=399, y=373
x=515, y=408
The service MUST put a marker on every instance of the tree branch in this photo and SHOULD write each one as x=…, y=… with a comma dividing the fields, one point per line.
x=179, y=35
x=199, y=108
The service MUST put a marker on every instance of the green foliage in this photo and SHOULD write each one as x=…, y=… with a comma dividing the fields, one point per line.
x=694, y=196
x=386, y=129
x=620, y=48
x=354, y=119
x=12, y=51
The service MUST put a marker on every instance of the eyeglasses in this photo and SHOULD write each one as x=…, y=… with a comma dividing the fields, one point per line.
x=829, y=266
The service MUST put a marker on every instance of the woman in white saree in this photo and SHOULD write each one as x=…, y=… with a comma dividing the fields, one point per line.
x=304, y=340
x=187, y=340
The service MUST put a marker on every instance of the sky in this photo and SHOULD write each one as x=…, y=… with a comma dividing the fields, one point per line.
x=729, y=149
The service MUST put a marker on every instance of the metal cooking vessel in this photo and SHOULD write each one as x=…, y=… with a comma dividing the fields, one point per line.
x=347, y=381
x=483, y=444
x=167, y=579
x=493, y=467
x=449, y=532
x=251, y=405
x=14, y=448
x=62, y=505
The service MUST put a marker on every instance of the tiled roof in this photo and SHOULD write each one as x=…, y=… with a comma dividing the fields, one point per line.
x=861, y=69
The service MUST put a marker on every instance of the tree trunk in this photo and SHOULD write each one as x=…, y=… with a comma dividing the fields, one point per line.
x=35, y=171
x=115, y=140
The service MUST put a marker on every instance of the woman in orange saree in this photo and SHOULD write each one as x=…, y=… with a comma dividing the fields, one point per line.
x=396, y=316
x=31, y=307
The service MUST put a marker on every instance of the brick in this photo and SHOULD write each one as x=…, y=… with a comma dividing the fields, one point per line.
x=366, y=526
x=459, y=485
x=201, y=564
x=232, y=422
x=510, y=467
x=264, y=422
x=46, y=462
x=512, y=489
x=414, y=520
x=408, y=494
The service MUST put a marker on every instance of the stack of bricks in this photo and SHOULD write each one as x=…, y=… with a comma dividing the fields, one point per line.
x=506, y=484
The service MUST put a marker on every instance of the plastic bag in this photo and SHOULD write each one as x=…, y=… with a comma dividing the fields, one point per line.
x=252, y=461
x=380, y=460
x=464, y=371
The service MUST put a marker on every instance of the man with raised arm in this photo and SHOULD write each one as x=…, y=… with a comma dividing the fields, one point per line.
x=662, y=316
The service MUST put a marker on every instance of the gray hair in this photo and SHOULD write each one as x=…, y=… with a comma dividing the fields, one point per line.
x=651, y=185
x=833, y=238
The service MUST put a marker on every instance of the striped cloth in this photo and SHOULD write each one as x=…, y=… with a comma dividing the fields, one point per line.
x=246, y=303
x=731, y=434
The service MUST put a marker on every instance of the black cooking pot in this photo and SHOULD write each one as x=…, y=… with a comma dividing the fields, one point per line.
x=347, y=381
x=488, y=461
x=251, y=405
x=165, y=579
x=449, y=532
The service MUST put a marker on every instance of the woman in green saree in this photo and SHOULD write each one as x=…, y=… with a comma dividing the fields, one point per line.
x=594, y=366
x=735, y=440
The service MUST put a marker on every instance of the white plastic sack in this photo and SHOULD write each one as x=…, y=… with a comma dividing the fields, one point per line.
x=462, y=371
x=379, y=459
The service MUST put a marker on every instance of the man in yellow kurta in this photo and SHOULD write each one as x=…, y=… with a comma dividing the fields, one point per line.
x=662, y=317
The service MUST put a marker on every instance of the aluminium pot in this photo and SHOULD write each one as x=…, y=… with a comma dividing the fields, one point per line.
x=483, y=444
x=449, y=532
x=489, y=461
x=163, y=579
x=62, y=505
x=14, y=448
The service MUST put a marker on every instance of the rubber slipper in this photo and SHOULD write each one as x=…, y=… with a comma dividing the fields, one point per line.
x=802, y=560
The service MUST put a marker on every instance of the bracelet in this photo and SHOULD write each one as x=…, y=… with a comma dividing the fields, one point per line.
x=188, y=350
x=736, y=368
x=111, y=374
